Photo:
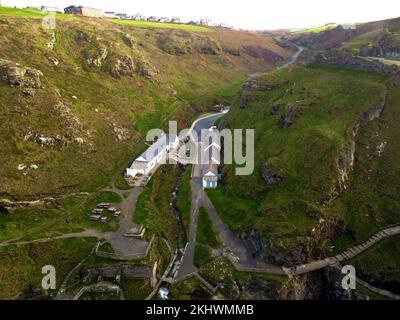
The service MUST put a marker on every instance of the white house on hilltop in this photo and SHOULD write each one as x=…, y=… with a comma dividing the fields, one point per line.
x=153, y=155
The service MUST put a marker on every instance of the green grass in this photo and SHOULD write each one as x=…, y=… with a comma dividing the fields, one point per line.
x=152, y=25
x=135, y=289
x=21, y=266
x=184, y=197
x=186, y=290
x=327, y=102
x=153, y=205
x=380, y=263
x=121, y=183
x=202, y=255
x=206, y=233
x=30, y=13
x=314, y=30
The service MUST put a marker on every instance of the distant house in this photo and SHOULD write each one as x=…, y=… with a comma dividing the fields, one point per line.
x=50, y=9
x=3, y=3
x=163, y=19
x=330, y=24
x=84, y=11
x=205, y=22
x=138, y=16
x=122, y=16
x=109, y=14
x=192, y=22
x=153, y=155
x=152, y=18
x=176, y=20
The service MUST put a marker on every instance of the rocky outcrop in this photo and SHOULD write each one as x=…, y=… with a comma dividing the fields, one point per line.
x=123, y=66
x=342, y=59
x=121, y=134
x=259, y=289
x=346, y=158
x=270, y=177
x=129, y=41
x=385, y=45
x=16, y=75
x=258, y=82
x=73, y=130
x=346, y=164
x=98, y=58
x=290, y=116
x=147, y=70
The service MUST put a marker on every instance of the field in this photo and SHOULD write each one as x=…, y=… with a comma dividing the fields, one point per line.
x=37, y=14
x=314, y=30
x=150, y=24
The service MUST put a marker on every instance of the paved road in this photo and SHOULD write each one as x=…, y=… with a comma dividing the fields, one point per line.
x=127, y=246
x=188, y=266
x=294, y=58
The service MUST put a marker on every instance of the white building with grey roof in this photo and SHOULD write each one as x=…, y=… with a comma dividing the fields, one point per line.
x=153, y=155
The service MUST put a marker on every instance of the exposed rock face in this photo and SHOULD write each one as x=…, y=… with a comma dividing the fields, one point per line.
x=172, y=45
x=98, y=59
x=262, y=82
x=123, y=66
x=147, y=70
x=332, y=287
x=52, y=41
x=270, y=177
x=73, y=130
x=380, y=148
x=14, y=74
x=384, y=46
x=259, y=289
x=347, y=153
x=346, y=164
x=336, y=58
x=290, y=258
x=258, y=82
x=291, y=114
x=129, y=41
x=121, y=134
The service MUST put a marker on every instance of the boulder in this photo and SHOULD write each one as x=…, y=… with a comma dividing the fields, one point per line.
x=14, y=74
x=123, y=66
x=148, y=71
x=98, y=58
x=129, y=41
x=272, y=171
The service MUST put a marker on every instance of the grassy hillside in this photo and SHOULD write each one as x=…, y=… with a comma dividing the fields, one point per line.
x=301, y=126
x=103, y=86
x=380, y=38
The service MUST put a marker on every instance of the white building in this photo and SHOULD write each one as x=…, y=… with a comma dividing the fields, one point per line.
x=153, y=155
x=211, y=159
x=3, y=3
x=109, y=14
